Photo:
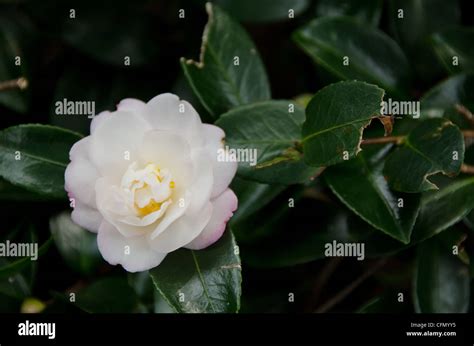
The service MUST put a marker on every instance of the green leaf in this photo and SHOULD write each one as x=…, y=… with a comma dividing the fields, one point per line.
x=10, y=192
x=43, y=153
x=392, y=213
x=109, y=295
x=364, y=11
x=413, y=21
x=454, y=90
x=441, y=282
x=216, y=79
x=252, y=197
x=293, y=238
x=434, y=146
x=269, y=130
x=208, y=280
x=335, y=120
x=12, y=45
x=263, y=10
x=76, y=245
x=373, y=56
x=443, y=208
x=455, y=43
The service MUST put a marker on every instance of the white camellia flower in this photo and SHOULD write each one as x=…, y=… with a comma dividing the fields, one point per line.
x=148, y=181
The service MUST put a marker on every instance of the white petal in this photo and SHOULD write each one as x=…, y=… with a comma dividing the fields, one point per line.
x=115, y=142
x=96, y=120
x=224, y=171
x=80, y=177
x=182, y=231
x=133, y=253
x=171, y=151
x=174, y=211
x=86, y=217
x=163, y=113
x=131, y=105
x=223, y=208
x=109, y=206
x=202, y=184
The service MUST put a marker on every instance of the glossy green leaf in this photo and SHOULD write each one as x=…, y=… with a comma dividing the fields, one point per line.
x=392, y=213
x=252, y=197
x=350, y=50
x=269, y=131
x=208, y=280
x=108, y=295
x=455, y=50
x=293, y=238
x=335, y=120
x=364, y=11
x=229, y=72
x=263, y=10
x=35, y=157
x=77, y=246
x=454, y=90
x=443, y=208
x=413, y=21
x=12, y=45
x=434, y=146
x=10, y=192
x=441, y=281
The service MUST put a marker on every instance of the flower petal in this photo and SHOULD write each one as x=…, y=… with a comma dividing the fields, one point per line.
x=115, y=142
x=168, y=112
x=86, y=217
x=223, y=208
x=97, y=119
x=131, y=105
x=80, y=176
x=133, y=253
x=224, y=171
x=182, y=231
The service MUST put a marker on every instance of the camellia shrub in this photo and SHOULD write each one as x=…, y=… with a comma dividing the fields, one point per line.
x=300, y=155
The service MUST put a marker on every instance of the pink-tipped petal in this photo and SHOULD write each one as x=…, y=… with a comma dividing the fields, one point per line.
x=223, y=209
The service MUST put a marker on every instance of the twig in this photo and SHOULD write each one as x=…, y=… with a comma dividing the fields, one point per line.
x=468, y=169
x=468, y=133
x=466, y=113
x=352, y=286
x=381, y=140
x=323, y=278
x=19, y=83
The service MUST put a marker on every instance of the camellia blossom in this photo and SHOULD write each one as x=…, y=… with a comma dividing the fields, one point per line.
x=148, y=181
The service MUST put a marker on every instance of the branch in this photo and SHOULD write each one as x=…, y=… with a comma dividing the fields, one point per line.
x=19, y=83
x=468, y=133
x=352, y=286
x=381, y=140
x=467, y=169
x=466, y=113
